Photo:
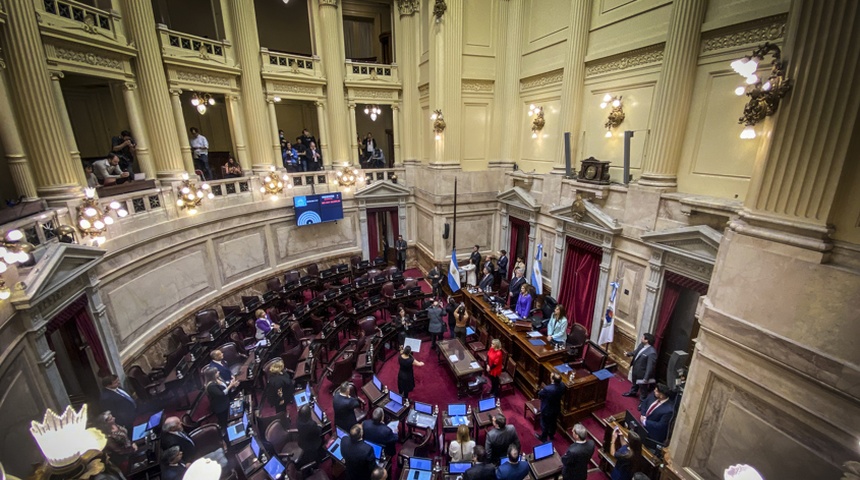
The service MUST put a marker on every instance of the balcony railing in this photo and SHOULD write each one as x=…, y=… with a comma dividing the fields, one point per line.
x=396, y=175
x=289, y=64
x=39, y=229
x=138, y=203
x=185, y=47
x=73, y=15
x=372, y=72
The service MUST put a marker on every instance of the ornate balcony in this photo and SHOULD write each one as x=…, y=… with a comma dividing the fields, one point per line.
x=371, y=74
x=186, y=50
x=69, y=19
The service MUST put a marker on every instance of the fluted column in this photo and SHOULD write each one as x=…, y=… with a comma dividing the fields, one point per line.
x=141, y=137
x=331, y=49
x=181, y=132
x=275, y=137
x=407, y=53
x=322, y=138
x=674, y=93
x=154, y=96
x=573, y=82
x=253, y=99
x=10, y=138
x=63, y=112
x=57, y=178
x=446, y=87
x=353, y=131
x=395, y=125
x=237, y=131
x=507, y=121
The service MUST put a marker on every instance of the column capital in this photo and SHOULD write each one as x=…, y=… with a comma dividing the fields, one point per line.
x=129, y=86
x=351, y=105
x=408, y=7
x=330, y=3
x=395, y=107
x=231, y=97
x=56, y=75
x=175, y=92
x=319, y=104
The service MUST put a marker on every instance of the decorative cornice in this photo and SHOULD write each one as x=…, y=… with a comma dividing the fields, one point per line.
x=373, y=93
x=474, y=85
x=88, y=57
x=542, y=80
x=331, y=3
x=750, y=33
x=289, y=87
x=204, y=78
x=633, y=58
x=408, y=7
x=424, y=90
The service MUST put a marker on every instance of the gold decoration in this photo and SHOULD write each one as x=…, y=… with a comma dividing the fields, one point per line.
x=190, y=196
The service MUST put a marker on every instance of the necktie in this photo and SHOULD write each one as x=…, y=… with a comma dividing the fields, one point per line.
x=185, y=436
x=127, y=396
x=652, y=407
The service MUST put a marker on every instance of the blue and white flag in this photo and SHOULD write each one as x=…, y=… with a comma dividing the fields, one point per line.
x=607, y=328
x=537, y=278
x=453, y=272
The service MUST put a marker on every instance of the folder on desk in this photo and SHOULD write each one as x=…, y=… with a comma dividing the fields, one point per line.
x=563, y=368
x=602, y=374
x=537, y=342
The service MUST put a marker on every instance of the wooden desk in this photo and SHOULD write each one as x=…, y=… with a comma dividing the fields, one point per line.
x=464, y=367
x=585, y=394
x=450, y=428
x=484, y=420
x=652, y=465
x=373, y=394
x=549, y=467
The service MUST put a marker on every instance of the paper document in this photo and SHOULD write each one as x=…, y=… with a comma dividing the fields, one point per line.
x=414, y=343
x=453, y=357
x=475, y=365
x=394, y=425
x=534, y=334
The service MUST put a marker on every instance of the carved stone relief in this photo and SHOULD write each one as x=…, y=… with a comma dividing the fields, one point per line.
x=204, y=78
x=759, y=31
x=549, y=78
x=286, y=87
x=477, y=85
x=90, y=58
x=372, y=93
x=633, y=58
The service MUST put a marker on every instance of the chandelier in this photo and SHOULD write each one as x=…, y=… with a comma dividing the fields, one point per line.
x=274, y=185
x=616, y=115
x=538, y=122
x=64, y=439
x=348, y=177
x=202, y=101
x=92, y=220
x=438, y=123
x=190, y=196
x=373, y=110
x=13, y=249
x=764, y=96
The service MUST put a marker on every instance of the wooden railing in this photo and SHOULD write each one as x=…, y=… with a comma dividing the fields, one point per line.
x=396, y=175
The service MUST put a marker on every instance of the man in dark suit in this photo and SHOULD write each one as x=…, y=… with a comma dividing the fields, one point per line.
x=475, y=258
x=550, y=406
x=515, y=286
x=172, y=435
x=377, y=432
x=435, y=277
x=172, y=466
x=400, y=245
x=357, y=455
x=500, y=438
x=575, y=459
x=219, y=364
x=657, y=411
x=515, y=469
x=486, y=283
x=642, y=367
x=119, y=402
x=480, y=469
x=503, y=264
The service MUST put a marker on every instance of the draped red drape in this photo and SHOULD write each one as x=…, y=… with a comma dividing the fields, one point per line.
x=579, y=279
x=671, y=292
x=77, y=311
x=372, y=235
x=515, y=225
x=395, y=224
x=512, y=250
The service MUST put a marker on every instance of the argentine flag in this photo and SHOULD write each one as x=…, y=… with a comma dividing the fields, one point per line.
x=537, y=278
x=453, y=272
x=607, y=327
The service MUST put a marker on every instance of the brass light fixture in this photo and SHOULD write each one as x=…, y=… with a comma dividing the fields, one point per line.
x=764, y=96
x=373, y=110
x=438, y=123
x=5, y=293
x=616, y=115
x=348, y=177
x=71, y=450
x=92, y=220
x=190, y=196
x=14, y=249
x=273, y=184
x=202, y=101
x=538, y=121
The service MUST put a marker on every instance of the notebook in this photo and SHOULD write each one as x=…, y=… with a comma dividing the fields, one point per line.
x=138, y=432
x=274, y=468
x=487, y=404
x=458, y=467
x=563, y=368
x=155, y=419
x=537, y=342
x=543, y=450
x=602, y=374
x=424, y=408
x=419, y=469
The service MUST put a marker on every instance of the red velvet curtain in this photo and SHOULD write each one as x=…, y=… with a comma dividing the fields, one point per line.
x=515, y=225
x=77, y=311
x=579, y=279
x=395, y=223
x=372, y=235
x=671, y=293
x=512, y=249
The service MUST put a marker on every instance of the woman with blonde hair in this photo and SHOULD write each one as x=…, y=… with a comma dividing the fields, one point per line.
x=279, y=388
x=461, y=449
x=494, y=365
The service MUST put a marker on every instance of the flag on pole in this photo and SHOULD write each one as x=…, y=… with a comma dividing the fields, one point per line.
x=607, y=329
x=453, y=272
x=537, y=278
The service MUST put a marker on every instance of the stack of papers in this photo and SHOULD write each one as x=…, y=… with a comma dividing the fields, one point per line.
x=475, y=365
x=453, y=357
x=534, y=334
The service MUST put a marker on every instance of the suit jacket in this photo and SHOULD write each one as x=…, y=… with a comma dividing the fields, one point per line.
x=380, y=434
x=279, y=390
x=123, y=409
x=435, y=276
x=224, y=370
x=480, y=471
x=173, y=472
x=486, y=283
x=550, y=399
x=309, y=154
x=498, y=442
x=657, y=424
x=187, y=446
x=359, y=459
x=218, y=400
x=344, y=411
x=575, y=460
x=310, y=440
x=503, y=265
x=514, y=288
x=513, y=471
x=475, y=259
x=643, y=367
x=401, y=246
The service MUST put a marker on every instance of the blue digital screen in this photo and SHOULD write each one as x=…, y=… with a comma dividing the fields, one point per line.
x=543, y=450
x=487, y=404
x=395, y=398
x=424, y=408
x=416, y=463
x=138, y=432
x=456, y=409
x=377, y=383
x=377, y=449
x=311, y=209
x=155, y=419
x=459, y=467
x=255, y=447
x=274, y=468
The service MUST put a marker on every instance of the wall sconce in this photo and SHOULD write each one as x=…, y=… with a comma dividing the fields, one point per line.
x=438, y=123
x=69, y=447
x=741, y=472
x=538, y=122
x=274, y=185
x=13, y=249
x=190, y=196
x=764, y=96
x=66, y=233
x=92, y=220
x=202, y=101
x=5, y=293
x=616, y=115
x=348, y=177
x=439, y=9
x=373, y=110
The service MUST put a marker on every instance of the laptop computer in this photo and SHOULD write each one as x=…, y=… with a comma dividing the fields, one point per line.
x=155, y=419
x=543, y=450
x=340, y=433
x=377, y=449
x=302, y=398
x=377, y=383
x=274, y=468
x=139, y=431
x=457, y=414
x=318, y=411
x=395, y=402
x=455, y=468
x=334, y=449
x=487, y=404
x=423, y=408
x=419, y=469
x=236, y=431
x=255, y=447
x=247, y=459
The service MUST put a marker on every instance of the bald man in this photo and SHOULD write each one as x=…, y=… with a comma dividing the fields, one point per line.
x=172, y=435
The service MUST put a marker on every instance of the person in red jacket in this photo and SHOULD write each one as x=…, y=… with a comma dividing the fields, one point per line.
x=494, y=365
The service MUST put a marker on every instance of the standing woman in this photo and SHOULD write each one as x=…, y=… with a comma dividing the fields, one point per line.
x=556, y=329
x=264, y=325
x=461, y=449
x=279, y=388
x=628, y=458
x=461, y=322
x=405, y=323
x=406, y=376
x=494, y=365
x=521, y=264
x=524, y=302
x=451, y=310
x=219, y=395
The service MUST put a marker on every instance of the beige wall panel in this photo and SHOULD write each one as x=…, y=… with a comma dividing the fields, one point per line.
x=628, y=305
x=846, y=215
x=634, y=25
x=158, y=288
x=546, y=23
x=426, y=27
x=547, y=238
x=479, y=27
x=545, y=59
x=213, y=124
x=324, y=237
x=426, y=135
x=241, y=255
x=294, y=115
x=425, y=229
x=715, y=160
x=539, y=154
x=93, y=119
x=20, y=403
x=720, y=13
x=473, y=230
x=476, y=120
x=479, y=67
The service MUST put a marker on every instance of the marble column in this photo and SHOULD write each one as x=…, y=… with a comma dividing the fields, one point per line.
x=57, y=177
x=504, y=233
x=508, y=118
x=323, y=133
x=407, y=50
x=276, y=138
x=653, y=294
x=602, y=283
x=10, y=137
x=253, y=100
x=182, y=134
x=674, y=94
x=57, y=90
x=154, y=96
x=353, y=132
x=362, y=228
x=47, y=370
x=138, y=131
x=98, y=313
x=237, y=130
x=331, y=49
x=395, y=125
x=446, y=82
x=573, y=81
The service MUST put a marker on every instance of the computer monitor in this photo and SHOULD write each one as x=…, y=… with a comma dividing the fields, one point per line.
x=318, y=411
x=487, y=404
x=395, y=398
x=456, y=409
x=377, y=449
x=340, y=433
x=417, y=463
x=247, y=459
x=245, y=420
x=138, y=432
x=235, y=431
x=458, y=467
x=255, y=446
x=155, y=419
x=302, y=399
x=424, y=408
x=274, y=468
x=334, y=449
x=377, y=383
x=543, y=450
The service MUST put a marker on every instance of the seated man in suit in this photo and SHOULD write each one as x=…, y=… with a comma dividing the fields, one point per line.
x=657, y=411
x=219, y=364
x=500, y=438
x=480, y=469
x=172, y=435
x=119, y=402
x=357, y=455
x=172, y=466
x=486, y=283
x=515, y=468
x=377, y=432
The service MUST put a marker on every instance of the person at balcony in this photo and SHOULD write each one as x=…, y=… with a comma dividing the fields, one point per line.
x=92, y=181
x=368, y=146
x=282, y=139
x=200, y=152
x=502, y=263
x=313, y=158
x=378, y=159
x=219, y=393
x=290, y=157
x=520, y=263
x=524, y=302
x=264, y=325
x=306, y=138
x=124, y=146
x=232, y=169
x=108, y=172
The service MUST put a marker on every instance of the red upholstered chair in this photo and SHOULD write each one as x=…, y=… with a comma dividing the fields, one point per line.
x=313, y=269
x=292, y=276
x=301, y=335
x=388, y=290
x=284, y=442
x=416, y=445
x=179, y=338
x=291, y=357
x=532, y=408
x=244, y=344
x=206, y=439
x=171, y=360
x=146, y=387
x=341, y=370
x=481, y=344
x=274, y=284
x=506, y=379
x=205, y=320
x=576, y=341
x=232, y=357
x=390, y=271
x=593, y=359
x=367, y=325
x=410, y=282
x=199, y=413
x=373, y=273
x=354, y=260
